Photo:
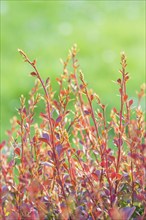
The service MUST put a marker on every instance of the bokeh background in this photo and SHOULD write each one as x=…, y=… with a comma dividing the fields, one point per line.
x=46, y=30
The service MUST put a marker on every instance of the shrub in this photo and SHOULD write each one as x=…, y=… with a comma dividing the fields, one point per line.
x=73, y=163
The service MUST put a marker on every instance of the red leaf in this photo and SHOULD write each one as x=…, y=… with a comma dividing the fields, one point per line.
x=67, y=112
x=99, y=115
x=44, y=140
x=125, y=97
x=116, y=175
x=33, y=74
x=119, y=81
x=111, y=158
x=91, y=97
x=118, y=142
x=56, y=104
x=86, y=168
x=43, y=115
x=130, y=102
x=98, y=212
x=47, y=80
x=34, y=62
x=115, y=110
x=72, y=173
x=103, y=163
x=120, y=90
x=63, y=92
x=87, y=112
x=126, y=78
x=95, y=177
x=72, y=76
x=113, y=175
x=103, y=106
x=135, y=156
x=18, y=122
x=17, y=151
x=2, y=144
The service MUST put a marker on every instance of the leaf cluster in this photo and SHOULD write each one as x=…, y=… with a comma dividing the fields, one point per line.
x=74, y=163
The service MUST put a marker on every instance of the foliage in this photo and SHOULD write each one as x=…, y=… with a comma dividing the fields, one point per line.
x=74, y=164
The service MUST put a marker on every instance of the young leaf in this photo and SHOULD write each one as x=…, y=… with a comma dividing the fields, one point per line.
x=33, y=74
x=119, y=81
x=115, y=110
x=130, y=102
x=99, y=114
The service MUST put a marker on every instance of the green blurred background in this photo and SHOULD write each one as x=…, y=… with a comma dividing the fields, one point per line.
x=46, y=30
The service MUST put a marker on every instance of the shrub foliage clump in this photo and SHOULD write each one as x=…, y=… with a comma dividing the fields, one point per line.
x=73, y=163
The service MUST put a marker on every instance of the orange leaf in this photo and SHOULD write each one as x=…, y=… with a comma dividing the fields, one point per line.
x=95, y=177
x=125, y=97
x=44, y=140
x=99, y=115
x=113, y=175
x=118, y=176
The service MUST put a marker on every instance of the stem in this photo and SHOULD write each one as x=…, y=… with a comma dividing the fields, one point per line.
x=120, y=137
x=92, y=113
x=107, y=170
x=80, y=97
x=22, y=142
x=33, y=64
x=110, y=186
x=132, y=194
x=131, y=147
x=84, y=172
x=122, y=93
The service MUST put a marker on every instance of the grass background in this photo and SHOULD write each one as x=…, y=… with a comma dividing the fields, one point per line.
x=46, y=30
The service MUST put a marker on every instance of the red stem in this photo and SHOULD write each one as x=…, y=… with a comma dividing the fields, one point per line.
x=122, y=92
x=33, y=64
